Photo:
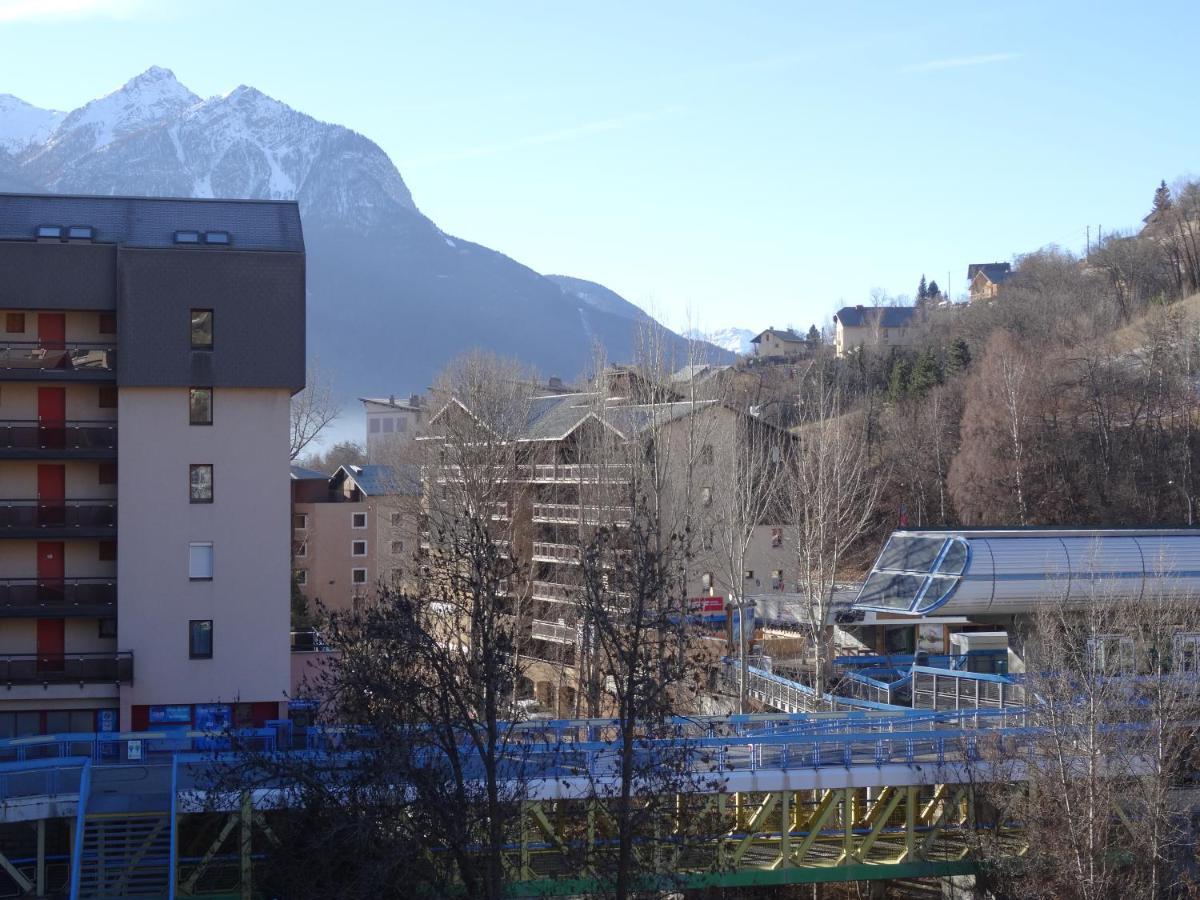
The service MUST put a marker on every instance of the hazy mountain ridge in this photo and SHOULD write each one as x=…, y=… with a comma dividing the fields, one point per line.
x=732, y=340
x=391, y=297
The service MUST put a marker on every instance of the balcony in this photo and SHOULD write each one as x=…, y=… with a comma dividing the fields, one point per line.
x=545, y=552
x=36, y=361
x=574, y=514
x=66, y=668
x=58, y=519
x=585, y=473
x=29, y=439
x=31, y=597
x=555, y=632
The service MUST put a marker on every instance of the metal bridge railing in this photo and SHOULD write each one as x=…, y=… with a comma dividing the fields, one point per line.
x=943, y=689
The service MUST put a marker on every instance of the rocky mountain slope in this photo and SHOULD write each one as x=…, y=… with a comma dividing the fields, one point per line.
x=391, y=297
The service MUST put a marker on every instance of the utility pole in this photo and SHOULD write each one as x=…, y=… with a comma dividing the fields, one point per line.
x=1087, y=253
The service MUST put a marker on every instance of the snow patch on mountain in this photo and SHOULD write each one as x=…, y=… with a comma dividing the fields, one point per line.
x=735, y=340
x=23, y=125
x=141, y=102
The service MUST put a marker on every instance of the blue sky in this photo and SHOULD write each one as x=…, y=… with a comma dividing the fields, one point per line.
x=745, y=164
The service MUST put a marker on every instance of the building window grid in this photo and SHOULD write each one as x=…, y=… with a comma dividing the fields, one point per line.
x=358, y=548
x=358, y=520
x=358, y=576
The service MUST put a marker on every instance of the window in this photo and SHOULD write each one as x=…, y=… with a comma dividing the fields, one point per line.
x=108, y=323
x=300, y=521
x=202, y=329
x=200, y=406
x=108, y=473
x=777, y=579
x=358, y=520
x=706, y=581
x=107, y=552
x=201, y=483
x=80, y=233
x=706, y=454
x=374, y=426
x=14, y=323
x=200, y=562
x=108, y=628
x=776, y=537
x=397, y=575
x=216, y=237
x=397, y=547
x=1112, y=654
x=748, y=575
x=49, y=232
x=107, y=398
x=358, y=576
x=302, y=577
x=200, y=639
x=300, y=549
x=706, y=496
x=358, y=548
x=187, y=237
x=401, y=424
x=388, y=426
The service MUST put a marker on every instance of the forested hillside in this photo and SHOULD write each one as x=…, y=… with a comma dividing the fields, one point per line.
x=1071, y=398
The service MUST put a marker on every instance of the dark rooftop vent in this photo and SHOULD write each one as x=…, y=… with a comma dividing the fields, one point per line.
x=187, y=237
x=49, y=232
x=217, y=237
x=81, y=233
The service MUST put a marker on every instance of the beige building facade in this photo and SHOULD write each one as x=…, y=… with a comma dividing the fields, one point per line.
x=856, y=327
x=144, y=561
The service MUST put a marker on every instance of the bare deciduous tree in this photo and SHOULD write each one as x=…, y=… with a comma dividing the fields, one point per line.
x=312, y=409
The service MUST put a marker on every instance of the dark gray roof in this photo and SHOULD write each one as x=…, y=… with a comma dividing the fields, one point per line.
x=382, y=481
x=299, y=473
x=880, y=316
x=151, y=222
x=787, y=335
x=995, y=272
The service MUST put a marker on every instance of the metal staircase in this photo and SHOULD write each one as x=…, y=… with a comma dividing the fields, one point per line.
x=127, y=834
x=126, y=855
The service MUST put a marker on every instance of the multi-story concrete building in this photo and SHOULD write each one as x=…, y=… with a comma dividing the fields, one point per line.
x=152, y=348
x=391, y=425
x=355, y=532
x=561, y=494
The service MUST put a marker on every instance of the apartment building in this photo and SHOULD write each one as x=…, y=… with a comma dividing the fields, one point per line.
x=391, y=425
x=561, y=494
x=355, y=532
x=150, y=352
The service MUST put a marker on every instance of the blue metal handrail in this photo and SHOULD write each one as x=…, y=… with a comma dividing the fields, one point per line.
x=172, y=867
x=85, y=784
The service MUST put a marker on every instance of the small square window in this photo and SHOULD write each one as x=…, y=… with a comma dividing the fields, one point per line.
x=49, y=232
x=14, y=323
x=358, y=548
x=358, y=576
x=300, y=521
x=108, y=628
x=374, y=426
x=300, y=549
x=302, y=577
x=108, y=473
x=200, y=406
x=201, y=483
x=748, y=575
x=388, y=426
x=397, y=575
x=202, y=329
x=216, y=237
x=80, y=233
x=107, y=551
x=200, y=562
x=776, y=537
x=108, y=323
x=358, y=520
x=706, y=496
x=397, y=547
x=396, y=519
x=107, y=398
x=200, y=639
x=777, y=579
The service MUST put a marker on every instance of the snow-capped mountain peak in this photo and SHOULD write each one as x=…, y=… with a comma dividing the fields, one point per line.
x=23, y=125
x=735, y=340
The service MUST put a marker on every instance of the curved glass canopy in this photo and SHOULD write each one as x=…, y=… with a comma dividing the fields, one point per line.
x=915, y=573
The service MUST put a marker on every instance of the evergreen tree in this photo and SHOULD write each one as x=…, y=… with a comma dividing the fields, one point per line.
x=958, y=357
x=898, y=381
x=1162, y=197
x=924, y=376
x=814, y=334
x=933, y=291
x=922, y=291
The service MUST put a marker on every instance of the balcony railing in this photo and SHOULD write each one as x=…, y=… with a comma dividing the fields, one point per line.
x=58, y=597
x=545, y=552
x=58, y=359
x=589, y=473
x=66, y=668
x=557, y=593
x=556, y=632
x=571, y=513
x=34, y=438
x=56, y=516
